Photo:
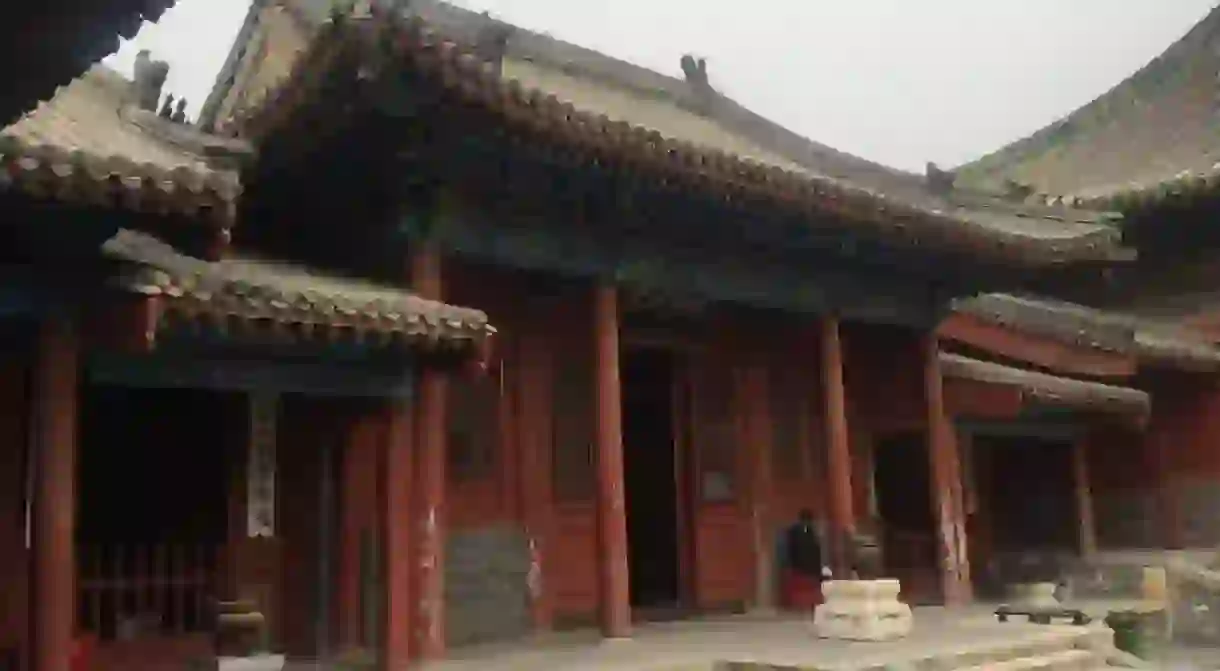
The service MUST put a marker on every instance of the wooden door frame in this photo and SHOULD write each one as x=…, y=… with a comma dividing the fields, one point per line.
x=685, y=468
x=681, y=350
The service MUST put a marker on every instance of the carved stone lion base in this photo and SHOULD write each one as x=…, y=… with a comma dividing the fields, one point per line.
x=862, y=610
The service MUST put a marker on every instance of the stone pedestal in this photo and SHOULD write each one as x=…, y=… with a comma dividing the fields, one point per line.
x=1035, y=596
x=862, y=610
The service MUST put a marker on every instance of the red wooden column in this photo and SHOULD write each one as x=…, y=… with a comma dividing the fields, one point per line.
x=611, y=507
x=534, y=427
x=946, y=481
x=398, y=521
x=1084, y=496
x=430, y=439
x=53, y=557
x=838, y=447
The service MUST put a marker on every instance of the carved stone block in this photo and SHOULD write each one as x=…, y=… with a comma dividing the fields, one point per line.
x=862, y=610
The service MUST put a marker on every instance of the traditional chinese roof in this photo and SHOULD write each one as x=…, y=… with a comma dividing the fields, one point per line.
x=91, y=144
x=1156, y=133
x=1048, y=389
x=550, y=94
x=1154, y=342
x=45, y=45
x=298, y=302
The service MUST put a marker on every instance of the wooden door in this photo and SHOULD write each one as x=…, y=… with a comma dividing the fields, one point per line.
x=721, y=525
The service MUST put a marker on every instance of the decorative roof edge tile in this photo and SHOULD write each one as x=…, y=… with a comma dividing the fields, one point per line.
x=1037, y=142
x=1134, y=197
x=457, y=67
x=91, y=144
x=1080, y=326
x=1049, y=389
x=280, y=295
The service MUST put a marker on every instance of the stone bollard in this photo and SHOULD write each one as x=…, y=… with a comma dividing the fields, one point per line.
x=862, y=610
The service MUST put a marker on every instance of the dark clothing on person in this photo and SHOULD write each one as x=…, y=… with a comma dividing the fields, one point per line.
x=804, y=549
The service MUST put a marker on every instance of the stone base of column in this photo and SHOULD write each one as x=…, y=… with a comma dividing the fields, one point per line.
x=1035, y=596
x=252, y=663
x=862, y=610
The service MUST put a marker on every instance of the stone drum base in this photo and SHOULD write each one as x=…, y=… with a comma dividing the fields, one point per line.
x=862, y=610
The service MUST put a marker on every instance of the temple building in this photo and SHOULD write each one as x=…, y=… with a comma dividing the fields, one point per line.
x=243, y=338
x=151, y=369
x=1148, y=149
x=706, y=323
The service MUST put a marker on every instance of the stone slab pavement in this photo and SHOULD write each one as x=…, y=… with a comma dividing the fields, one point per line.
x=772, y=640
x=1182, y=658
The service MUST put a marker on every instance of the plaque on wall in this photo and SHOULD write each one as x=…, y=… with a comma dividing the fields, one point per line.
x=717, y=487
x=260, y=469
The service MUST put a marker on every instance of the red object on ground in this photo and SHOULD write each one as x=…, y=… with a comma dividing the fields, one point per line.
x=799, y=591
x=82, y=652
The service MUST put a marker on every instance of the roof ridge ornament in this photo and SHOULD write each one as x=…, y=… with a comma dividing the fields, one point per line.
x=939, y=182
x=695, y=71
x=702, y=98
x=149, y=78
x=1017, y=192
x=491, y=43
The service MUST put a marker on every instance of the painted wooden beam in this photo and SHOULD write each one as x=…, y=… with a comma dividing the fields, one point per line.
x=1046, y=429
x=172, y=372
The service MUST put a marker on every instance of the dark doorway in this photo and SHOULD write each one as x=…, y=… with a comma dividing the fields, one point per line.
x=649, y=474
x=153, y=477
x=903, y=485
x=1026, y=484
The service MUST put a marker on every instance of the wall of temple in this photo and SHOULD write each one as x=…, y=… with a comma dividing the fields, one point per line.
x=14, y=408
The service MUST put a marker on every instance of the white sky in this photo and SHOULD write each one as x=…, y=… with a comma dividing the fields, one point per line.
x=897, y=81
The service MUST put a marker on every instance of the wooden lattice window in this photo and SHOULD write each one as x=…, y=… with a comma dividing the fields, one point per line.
x=574, y=423
x=473, y=427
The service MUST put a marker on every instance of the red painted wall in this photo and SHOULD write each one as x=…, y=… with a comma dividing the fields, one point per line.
x=883, y=372
x=981, y=400
x=14, y=413
x=546, y=324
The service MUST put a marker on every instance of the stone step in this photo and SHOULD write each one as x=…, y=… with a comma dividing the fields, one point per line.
x=1061, y=660
x=1053, y=651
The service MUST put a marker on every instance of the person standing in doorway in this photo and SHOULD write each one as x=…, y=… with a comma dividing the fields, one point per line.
x=803, y=569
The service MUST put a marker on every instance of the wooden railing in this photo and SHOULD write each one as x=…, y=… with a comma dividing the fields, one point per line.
x=130, y=591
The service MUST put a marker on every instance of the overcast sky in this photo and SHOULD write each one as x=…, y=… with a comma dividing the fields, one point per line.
x=896, y=81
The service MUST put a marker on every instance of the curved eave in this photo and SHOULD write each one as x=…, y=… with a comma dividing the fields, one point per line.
x=1151, y=344
x=1150, y=137
x=273, y=301
x=45, y=45
x=385, y=46
x=1164, y=350
x=1049, y=389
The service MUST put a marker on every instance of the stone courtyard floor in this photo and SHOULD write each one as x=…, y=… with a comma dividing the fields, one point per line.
x=774, y=641
x=1180, y=658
